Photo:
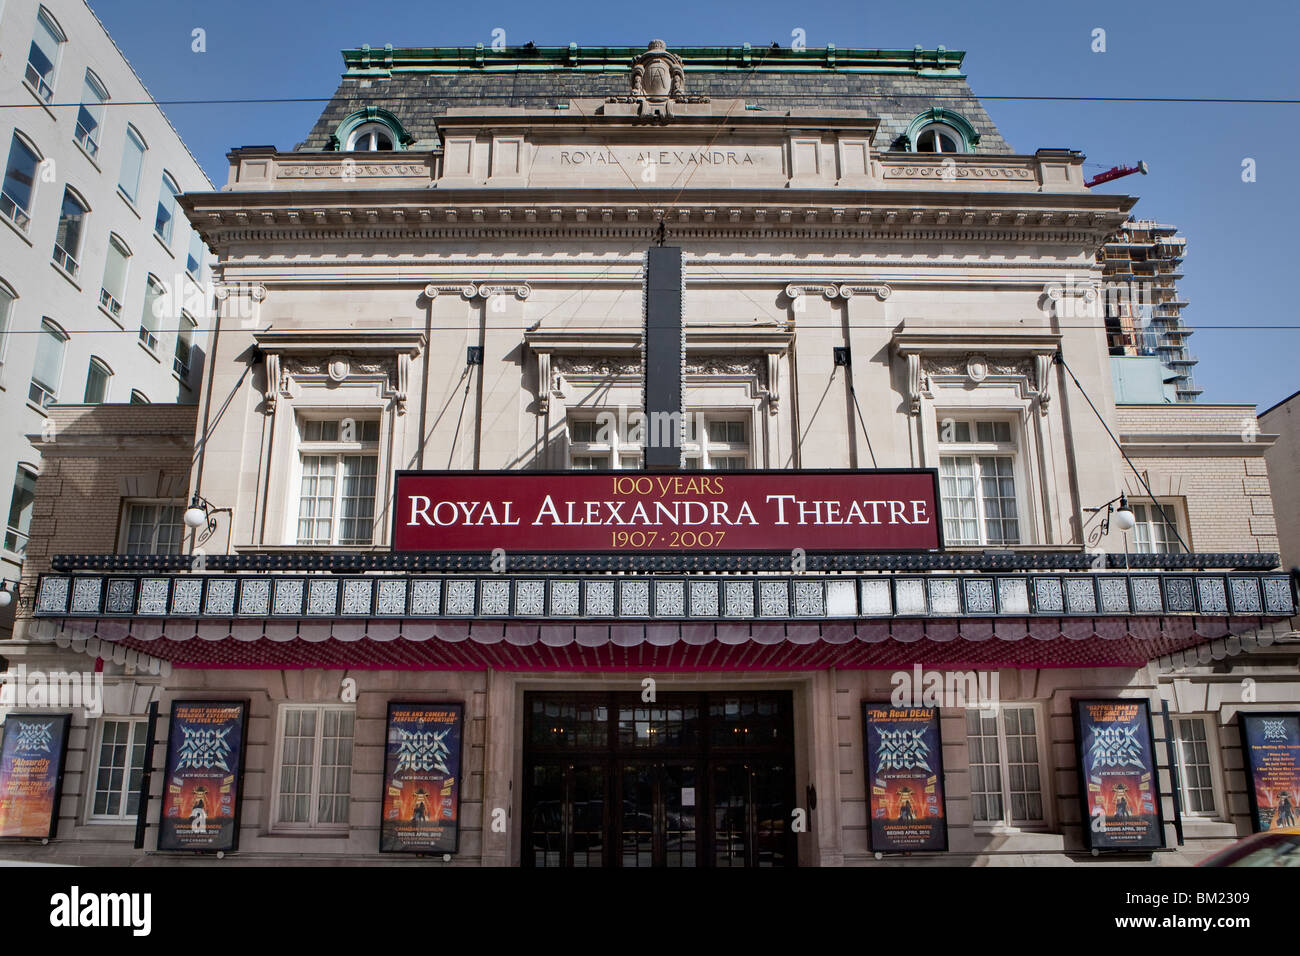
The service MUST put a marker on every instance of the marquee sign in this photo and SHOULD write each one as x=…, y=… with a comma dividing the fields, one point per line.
x=672, y=512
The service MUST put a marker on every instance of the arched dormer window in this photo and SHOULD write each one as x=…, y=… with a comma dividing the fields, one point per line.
x=941, y=131
x=370, y=130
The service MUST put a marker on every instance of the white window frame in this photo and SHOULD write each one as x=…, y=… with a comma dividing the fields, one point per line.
x=197, y=271
x=97, y=362
x=975, y=450
x=150, y=323
x=339, y=450
x=21, y=216
x=69, y=259
x=369, y=131
x=283, y=826
x=49, y=391
x=708, y=451
x=946, y=130
x=1008, y=823
x=133, y=135
x=124, y=526
x=613, y=452
x=6, y=318
x=87, y=139
x=1172, y=509
x=20, y=537
x=169, y=189
x=44, y=86
x=1209, y=723
x=109, y=302
x=138, y=725
x=187, y=327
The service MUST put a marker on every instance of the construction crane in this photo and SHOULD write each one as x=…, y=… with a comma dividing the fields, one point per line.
x=1117, y=172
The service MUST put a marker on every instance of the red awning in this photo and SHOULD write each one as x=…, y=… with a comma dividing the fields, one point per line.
x=970, y=643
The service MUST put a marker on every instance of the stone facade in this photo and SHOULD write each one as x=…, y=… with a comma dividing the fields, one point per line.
x=848, y=303
x=1283, y=458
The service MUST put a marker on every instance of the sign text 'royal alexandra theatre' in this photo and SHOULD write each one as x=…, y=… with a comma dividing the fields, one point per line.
x=672, y=512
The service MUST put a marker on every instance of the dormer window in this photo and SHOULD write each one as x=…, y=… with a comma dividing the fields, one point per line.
x=938, y=138
x=940, y=130
x=370, y=137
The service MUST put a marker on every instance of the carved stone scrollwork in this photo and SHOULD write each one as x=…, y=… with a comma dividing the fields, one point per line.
x=466, y=291
x=519, y=291
x=914, y=383
x=795, y=290
x=272, y=382
x=1043, y=381
x=880, y=290
x=772, y=390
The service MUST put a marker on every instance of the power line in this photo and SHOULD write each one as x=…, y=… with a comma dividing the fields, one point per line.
x=509, y=98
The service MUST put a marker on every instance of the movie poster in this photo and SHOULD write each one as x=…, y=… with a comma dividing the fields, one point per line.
x=31, y=775
x=422, y=779
x=205, y=762
x=1271, y=743
x=1117, y=770
x=904, y=757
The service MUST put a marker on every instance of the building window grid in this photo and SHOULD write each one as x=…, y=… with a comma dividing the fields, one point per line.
x=1006, y=767
x=593, y=446
x=337, y=481
x=1156, y=528
x=154, y=527
x=315, y=767
x=978, y=487
x=120, y=770
x=1196, y=770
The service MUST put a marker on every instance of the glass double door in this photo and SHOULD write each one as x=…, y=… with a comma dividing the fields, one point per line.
x=693, y=800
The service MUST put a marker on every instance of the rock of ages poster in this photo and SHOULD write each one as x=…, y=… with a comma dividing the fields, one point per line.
x=905, y=799
x=422, y=777
x=205, y=761
x=1271, y=743
x=31, y=773
x=1117, y=775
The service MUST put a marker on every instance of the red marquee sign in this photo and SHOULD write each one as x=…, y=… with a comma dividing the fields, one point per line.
x=673, y=512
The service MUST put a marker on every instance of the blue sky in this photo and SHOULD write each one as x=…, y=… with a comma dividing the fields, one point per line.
x=1241, y=236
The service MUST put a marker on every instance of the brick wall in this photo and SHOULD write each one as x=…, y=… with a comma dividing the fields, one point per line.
x=1209, y=459
x=92, y=458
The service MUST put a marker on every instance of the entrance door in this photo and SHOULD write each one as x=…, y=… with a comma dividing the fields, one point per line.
x=686, y=780
x=657, y=823
x=567, y=818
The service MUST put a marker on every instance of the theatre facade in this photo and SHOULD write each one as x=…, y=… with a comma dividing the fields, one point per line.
x=621, y=457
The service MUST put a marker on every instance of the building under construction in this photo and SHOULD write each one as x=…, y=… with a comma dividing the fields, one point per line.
x=1141, y=266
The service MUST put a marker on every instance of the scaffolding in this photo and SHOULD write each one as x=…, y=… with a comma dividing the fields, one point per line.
x=1141, y=266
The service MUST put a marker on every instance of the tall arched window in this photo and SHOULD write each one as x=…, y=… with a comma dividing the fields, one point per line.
x=370, y=137
x=48, y=369
x=43, y=55
x=165, y=221
x=71, y=231
x=20, y=182
x=91, y=115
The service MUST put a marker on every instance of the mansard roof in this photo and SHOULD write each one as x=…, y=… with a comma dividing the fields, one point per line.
x=417, y=85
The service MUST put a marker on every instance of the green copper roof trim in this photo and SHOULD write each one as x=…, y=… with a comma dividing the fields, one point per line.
x=368, y=61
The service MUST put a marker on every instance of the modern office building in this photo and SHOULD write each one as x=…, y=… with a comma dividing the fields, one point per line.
x=898, y=582
x=102, y=281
